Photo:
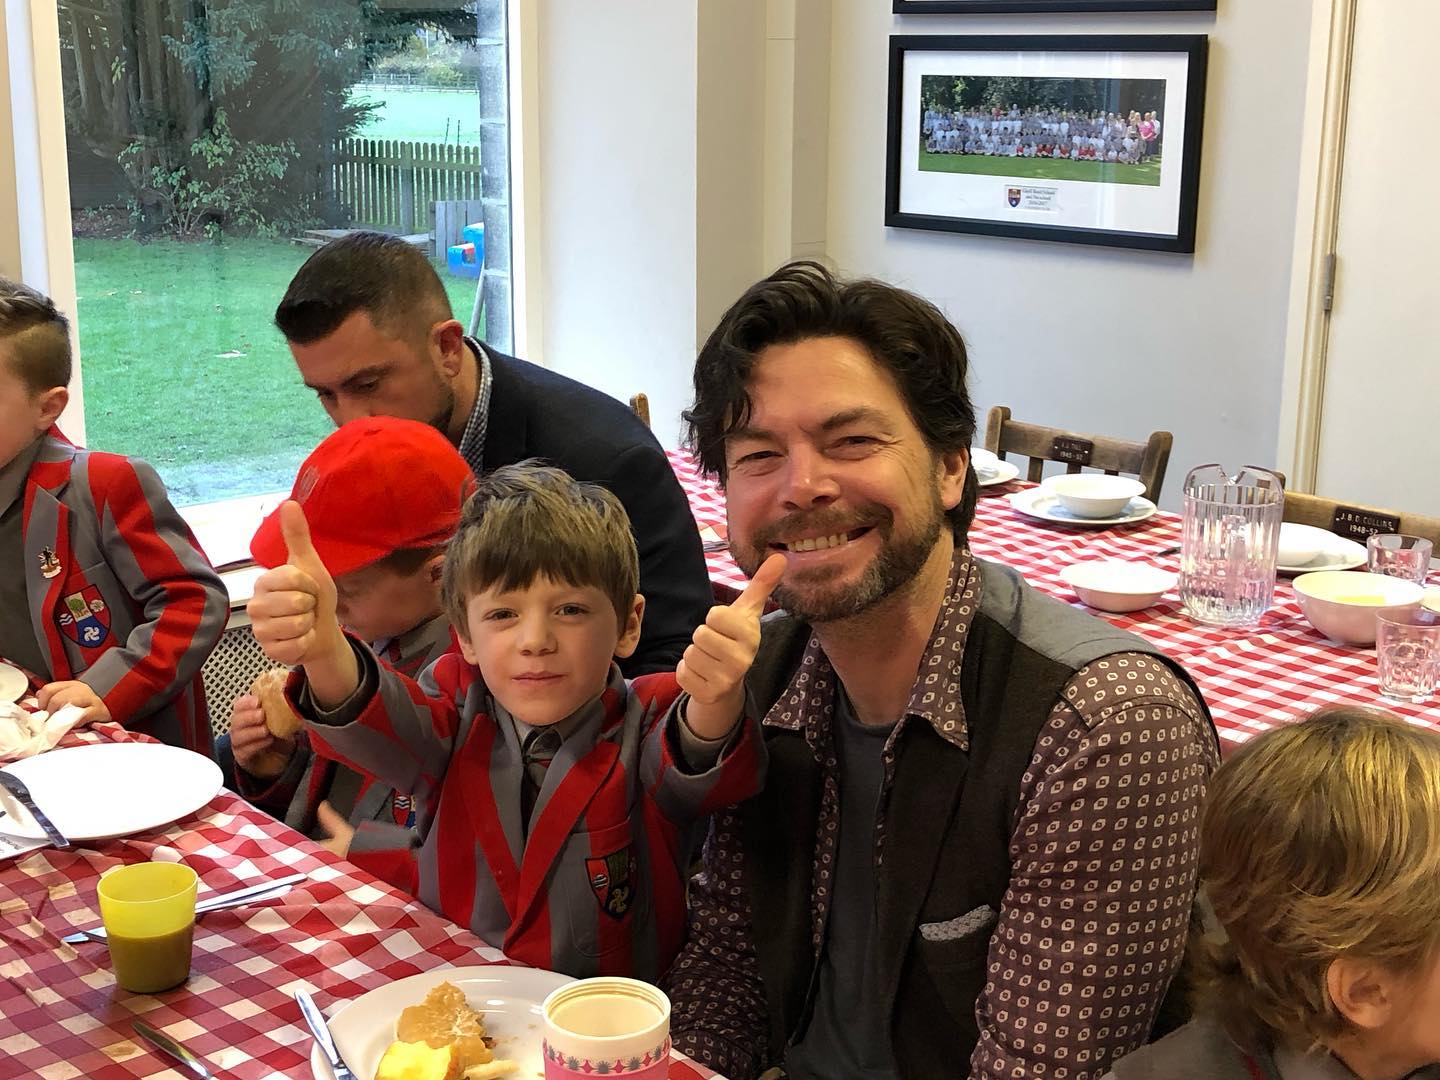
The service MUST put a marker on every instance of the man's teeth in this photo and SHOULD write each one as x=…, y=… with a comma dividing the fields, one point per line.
x=818, y=543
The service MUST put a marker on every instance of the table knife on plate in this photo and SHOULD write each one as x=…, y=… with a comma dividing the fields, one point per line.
x=192, y=1062
x=315, y=1020
x=16, y=787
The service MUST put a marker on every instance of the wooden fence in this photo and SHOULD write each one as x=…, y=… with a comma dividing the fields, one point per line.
x=386, y=182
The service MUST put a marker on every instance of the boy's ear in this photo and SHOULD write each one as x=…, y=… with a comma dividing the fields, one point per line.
x=630, y=629
x=1362, y=991
x=466, y=649
x=434, y=569
x=51, y=404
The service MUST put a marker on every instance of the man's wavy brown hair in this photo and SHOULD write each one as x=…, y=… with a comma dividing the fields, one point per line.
x=905, y=334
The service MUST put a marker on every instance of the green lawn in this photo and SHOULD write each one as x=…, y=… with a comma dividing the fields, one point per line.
x=184, y=368
x=1095, y=172
x=421, y=115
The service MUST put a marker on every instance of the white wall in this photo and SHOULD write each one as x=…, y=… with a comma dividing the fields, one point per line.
x=617, y=157
x=1044, y=321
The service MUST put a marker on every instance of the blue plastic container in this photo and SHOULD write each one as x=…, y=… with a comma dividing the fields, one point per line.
x=463, y=260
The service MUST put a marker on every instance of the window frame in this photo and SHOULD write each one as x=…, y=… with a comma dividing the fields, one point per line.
x=32, y=112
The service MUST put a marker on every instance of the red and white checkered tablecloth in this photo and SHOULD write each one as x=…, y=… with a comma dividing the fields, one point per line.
x=338, y=934
x=1252, y=679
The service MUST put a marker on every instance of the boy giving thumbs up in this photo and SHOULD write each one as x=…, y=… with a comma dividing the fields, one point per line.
x=557, y=804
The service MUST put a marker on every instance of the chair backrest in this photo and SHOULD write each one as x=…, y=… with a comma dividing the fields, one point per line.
x=640, y=406
x=1355, y=520
x=1145, y=460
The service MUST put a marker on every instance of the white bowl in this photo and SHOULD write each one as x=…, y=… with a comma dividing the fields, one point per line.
x=1117, y=585
x=1094, y=495
x=1431, y=600
x=1342, y=604
x=1303, y=544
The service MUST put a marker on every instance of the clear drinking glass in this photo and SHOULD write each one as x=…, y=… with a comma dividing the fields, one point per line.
x=1228, y=544
x=1399, y=555
x=1407, y=649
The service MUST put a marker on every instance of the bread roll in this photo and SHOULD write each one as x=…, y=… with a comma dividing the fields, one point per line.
x=269, y=688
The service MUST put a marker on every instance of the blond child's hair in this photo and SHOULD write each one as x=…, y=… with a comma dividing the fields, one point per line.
x=37, y=335
x=527, y=520
x=1320, y=839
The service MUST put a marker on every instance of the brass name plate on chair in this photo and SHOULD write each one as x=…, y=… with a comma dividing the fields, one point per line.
x=1070, y=449
x=1355, y=524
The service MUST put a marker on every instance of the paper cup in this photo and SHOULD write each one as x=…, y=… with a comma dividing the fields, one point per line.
x=607, y=1026
x=149, y=915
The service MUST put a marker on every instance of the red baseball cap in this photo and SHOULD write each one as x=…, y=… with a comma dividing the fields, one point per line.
x=375, y=486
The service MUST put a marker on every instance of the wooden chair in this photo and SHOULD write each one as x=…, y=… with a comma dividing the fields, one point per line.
x=1319, y=511
x=640, y=406
x=1145, y=460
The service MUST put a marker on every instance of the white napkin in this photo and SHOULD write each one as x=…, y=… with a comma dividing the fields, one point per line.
x=24, y=733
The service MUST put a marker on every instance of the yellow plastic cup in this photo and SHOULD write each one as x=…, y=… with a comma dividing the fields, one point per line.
x=149, y=914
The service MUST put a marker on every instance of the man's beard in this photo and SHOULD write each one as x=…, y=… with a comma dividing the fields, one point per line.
x=815, y=600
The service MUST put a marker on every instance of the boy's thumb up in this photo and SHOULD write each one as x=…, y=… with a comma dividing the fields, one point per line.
x=299, y=548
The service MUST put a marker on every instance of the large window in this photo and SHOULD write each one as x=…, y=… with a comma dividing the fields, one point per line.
x=213, y=144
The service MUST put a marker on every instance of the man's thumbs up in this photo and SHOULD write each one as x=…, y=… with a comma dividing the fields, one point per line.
x=292, y=612
x=713, y=669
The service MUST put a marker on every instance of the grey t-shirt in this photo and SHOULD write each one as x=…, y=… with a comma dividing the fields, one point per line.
x=847, y=1035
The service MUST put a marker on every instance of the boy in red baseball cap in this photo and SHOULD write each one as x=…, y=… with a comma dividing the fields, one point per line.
x=383, y=499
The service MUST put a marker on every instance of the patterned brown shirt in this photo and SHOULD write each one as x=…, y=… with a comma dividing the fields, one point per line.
x=1103, y=863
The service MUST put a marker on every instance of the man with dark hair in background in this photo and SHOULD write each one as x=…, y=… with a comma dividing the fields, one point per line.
x=975, y=852
x=369, y=324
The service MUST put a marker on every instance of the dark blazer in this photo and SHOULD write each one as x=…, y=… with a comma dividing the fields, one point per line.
x=593, y=437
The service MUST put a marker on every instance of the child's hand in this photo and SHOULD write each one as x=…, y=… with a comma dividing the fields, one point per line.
x=257, y=752
x=339, y=832
x=714, y=666
x=56, y=695
x=292, y=614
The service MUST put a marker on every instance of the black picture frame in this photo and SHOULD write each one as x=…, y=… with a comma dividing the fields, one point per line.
x=1179, y=238
x=1038, y=7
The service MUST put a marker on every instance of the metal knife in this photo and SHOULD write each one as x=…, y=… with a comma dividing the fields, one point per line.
x=251, y=894
x=13, y=784
x=315, y=1020
x=176, y=1049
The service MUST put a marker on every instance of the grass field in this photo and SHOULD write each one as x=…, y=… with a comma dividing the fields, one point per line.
x=421, y=115
x=184, y=368
x=1094, y=172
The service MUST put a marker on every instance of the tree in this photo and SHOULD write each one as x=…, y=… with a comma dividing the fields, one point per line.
x=147, y=79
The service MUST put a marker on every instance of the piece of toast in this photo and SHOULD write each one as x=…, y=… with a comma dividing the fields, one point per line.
x=280, y=719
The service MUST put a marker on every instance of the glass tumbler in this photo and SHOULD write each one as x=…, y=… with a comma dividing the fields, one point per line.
x=1399, y=555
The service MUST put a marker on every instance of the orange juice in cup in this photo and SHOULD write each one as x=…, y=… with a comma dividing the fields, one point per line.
x=149, y=915
x=608, y=1026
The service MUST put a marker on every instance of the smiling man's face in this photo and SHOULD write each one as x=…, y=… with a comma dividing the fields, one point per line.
x=831, y=469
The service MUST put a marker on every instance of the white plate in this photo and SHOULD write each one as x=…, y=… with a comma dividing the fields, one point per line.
x=1042, y=504
x=110, y=789
x=1342, y=554
x=1005, y=471
x=510, y=998
x=13, y=682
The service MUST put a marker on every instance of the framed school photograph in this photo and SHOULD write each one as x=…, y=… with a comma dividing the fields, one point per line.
x=1027, y=7
x=1083, y=139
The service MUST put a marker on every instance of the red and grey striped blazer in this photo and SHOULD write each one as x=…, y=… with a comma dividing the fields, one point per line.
x=598, y=888
x=121, y=596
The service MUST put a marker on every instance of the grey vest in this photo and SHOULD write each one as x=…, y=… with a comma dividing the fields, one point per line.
x=950, y=815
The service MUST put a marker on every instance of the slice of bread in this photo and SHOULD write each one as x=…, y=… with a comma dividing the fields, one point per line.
x=280, y=719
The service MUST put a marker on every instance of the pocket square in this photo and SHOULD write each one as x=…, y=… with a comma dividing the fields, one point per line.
x=972, y=922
